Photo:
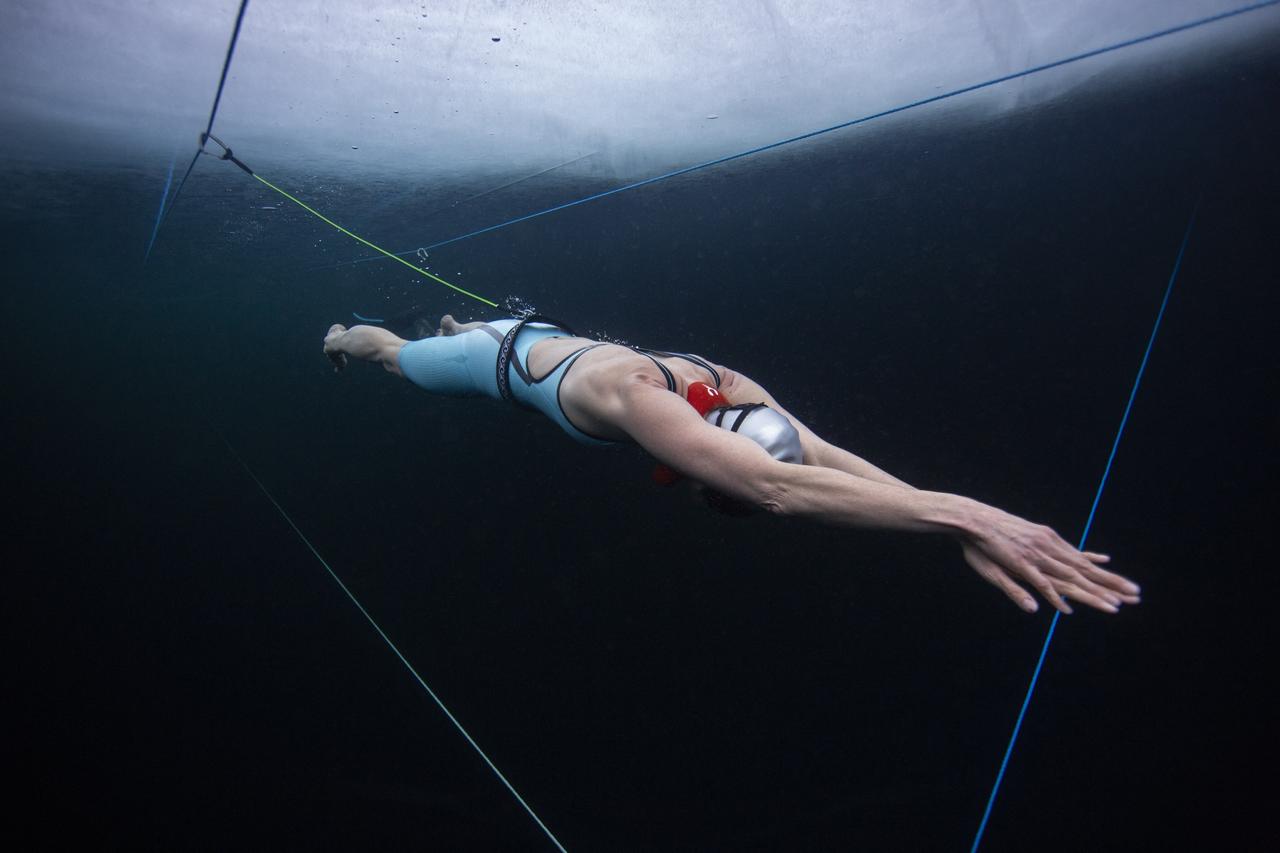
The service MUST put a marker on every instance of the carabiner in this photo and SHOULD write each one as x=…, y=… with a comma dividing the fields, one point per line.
x=226, y=151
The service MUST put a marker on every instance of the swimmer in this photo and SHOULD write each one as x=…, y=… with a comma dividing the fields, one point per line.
x=718, y=428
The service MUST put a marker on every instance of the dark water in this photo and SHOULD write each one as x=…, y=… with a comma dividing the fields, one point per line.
x=964, y=301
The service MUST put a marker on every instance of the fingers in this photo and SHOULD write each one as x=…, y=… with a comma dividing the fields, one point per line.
x=1043, y=585
x=1105, y=603
x=1014, y=548
x=1047, y=590
x=1030, y=573
x=1117, y=582
x=1086, y=563
x=1020, y=559
x=1081, y=568
x=1094, y=587
x=1123, y=588
x=1055, y=590
x=1113, y=587
x=1067, y=576
x=994, y=575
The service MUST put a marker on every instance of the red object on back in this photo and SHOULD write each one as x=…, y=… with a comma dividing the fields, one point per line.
x=704, y=398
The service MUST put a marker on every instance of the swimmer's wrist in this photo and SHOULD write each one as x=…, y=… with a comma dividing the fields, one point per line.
x=954, y=514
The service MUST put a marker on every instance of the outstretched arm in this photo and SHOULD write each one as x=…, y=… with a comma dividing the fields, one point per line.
x=1005, y=550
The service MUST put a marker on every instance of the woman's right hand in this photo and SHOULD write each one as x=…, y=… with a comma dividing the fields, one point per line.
x=1008, y=551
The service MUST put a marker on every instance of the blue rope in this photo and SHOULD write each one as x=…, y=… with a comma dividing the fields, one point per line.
x=462, y=201
x=222, y=81
x=1115, y=445
x=226, y=66
x=1190, y=25
x=164, y=196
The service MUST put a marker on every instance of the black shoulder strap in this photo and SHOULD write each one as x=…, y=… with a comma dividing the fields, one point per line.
x=666, y=371
x=689, y=357
x=740, y=411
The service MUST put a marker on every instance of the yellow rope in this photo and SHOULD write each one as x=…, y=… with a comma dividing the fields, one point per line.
x=357, y=237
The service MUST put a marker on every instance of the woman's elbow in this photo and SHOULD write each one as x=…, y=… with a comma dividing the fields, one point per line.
x=772, y=495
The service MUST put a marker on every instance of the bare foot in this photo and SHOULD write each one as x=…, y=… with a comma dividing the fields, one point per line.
x=337, y=356
x=448, y=326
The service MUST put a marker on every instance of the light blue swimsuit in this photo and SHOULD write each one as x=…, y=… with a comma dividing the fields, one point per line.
x=465, y=365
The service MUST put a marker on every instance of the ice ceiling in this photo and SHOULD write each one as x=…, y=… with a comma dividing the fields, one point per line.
x=489, y=85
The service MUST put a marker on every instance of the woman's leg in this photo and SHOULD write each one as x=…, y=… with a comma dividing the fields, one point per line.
x=367, y=343
x=450, y=326
x=460, y=361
